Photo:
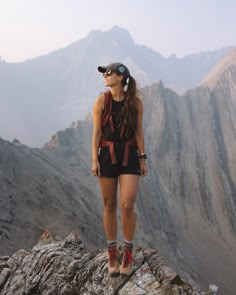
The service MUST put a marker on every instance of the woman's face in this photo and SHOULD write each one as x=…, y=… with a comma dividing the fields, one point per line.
x=111, y=78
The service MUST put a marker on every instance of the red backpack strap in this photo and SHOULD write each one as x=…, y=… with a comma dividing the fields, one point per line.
x=107, y=107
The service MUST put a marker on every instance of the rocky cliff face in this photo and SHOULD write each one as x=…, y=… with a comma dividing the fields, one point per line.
x=66, y=267
x=186, y=205
x=191, y=142
x=193, y=171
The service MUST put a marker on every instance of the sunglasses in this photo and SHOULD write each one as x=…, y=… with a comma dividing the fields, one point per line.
x=108, y=73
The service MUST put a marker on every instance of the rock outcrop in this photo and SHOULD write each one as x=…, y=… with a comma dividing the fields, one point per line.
x=67, y=268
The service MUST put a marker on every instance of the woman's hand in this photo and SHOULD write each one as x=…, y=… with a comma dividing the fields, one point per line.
x=96, y=168
x=143, y=168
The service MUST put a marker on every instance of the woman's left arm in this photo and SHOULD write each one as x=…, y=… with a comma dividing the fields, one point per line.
x=139, y=137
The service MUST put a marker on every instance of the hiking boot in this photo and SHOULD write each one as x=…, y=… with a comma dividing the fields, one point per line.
x=127, y=264
x=113, y=263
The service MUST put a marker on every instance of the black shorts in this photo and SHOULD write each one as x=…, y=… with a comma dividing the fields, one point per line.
x=114, y=170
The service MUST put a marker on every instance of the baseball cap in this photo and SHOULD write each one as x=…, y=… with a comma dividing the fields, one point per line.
x=118, y=68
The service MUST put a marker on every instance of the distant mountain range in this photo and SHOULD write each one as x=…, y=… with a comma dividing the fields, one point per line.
x=186, y=205
x=41, y=96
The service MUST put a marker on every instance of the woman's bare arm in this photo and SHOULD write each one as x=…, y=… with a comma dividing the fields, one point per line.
x=140, y=137
x=139, y=132
x=97, y=132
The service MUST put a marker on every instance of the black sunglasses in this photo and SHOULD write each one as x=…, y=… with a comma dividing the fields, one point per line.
x=108, y=73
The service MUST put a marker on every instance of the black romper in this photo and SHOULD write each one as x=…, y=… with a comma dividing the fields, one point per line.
x=109, y=169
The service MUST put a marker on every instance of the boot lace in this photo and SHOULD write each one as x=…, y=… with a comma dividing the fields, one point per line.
x=112, y=256
x=127, y=257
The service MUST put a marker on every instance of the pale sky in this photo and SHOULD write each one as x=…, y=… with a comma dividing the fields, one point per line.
x=30, y=28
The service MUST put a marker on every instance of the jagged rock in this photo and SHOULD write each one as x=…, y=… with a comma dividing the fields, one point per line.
x=67, y=268
x=16, y=141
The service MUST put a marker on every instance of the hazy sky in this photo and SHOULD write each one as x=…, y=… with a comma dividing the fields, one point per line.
x=29, y=28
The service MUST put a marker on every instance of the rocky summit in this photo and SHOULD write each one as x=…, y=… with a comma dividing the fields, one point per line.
x=65, y=267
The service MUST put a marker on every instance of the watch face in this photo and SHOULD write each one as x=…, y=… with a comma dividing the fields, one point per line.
x=144, y=156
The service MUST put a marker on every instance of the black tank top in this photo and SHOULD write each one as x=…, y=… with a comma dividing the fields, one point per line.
x=107, y=132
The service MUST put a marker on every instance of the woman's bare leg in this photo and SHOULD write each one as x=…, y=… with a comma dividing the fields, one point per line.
x=128, y=191
x=109, y=194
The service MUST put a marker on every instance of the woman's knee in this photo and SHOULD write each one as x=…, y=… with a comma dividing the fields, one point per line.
x=127, y=207
x=110, y=206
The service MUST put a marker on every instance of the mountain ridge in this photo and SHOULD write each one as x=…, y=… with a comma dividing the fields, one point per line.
x=224, y=68
x=42, y=95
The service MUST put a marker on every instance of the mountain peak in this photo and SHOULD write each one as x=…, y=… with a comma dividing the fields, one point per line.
x=120, y=34
x=117, y=29
x=224, y=65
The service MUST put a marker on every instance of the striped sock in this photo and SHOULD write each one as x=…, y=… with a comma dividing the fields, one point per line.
x=128, y=244
x=111, y=243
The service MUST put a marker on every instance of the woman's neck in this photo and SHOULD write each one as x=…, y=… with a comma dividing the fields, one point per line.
x=117, y=93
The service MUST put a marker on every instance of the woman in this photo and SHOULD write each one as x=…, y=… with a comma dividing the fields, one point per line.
x=118, y=155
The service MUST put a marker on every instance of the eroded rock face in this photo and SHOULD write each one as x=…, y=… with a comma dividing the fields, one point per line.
x=65, y=267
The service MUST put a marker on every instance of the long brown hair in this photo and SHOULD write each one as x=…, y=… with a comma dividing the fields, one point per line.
x=128, y=116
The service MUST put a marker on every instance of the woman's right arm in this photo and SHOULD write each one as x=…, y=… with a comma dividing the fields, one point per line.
x=97, y=132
